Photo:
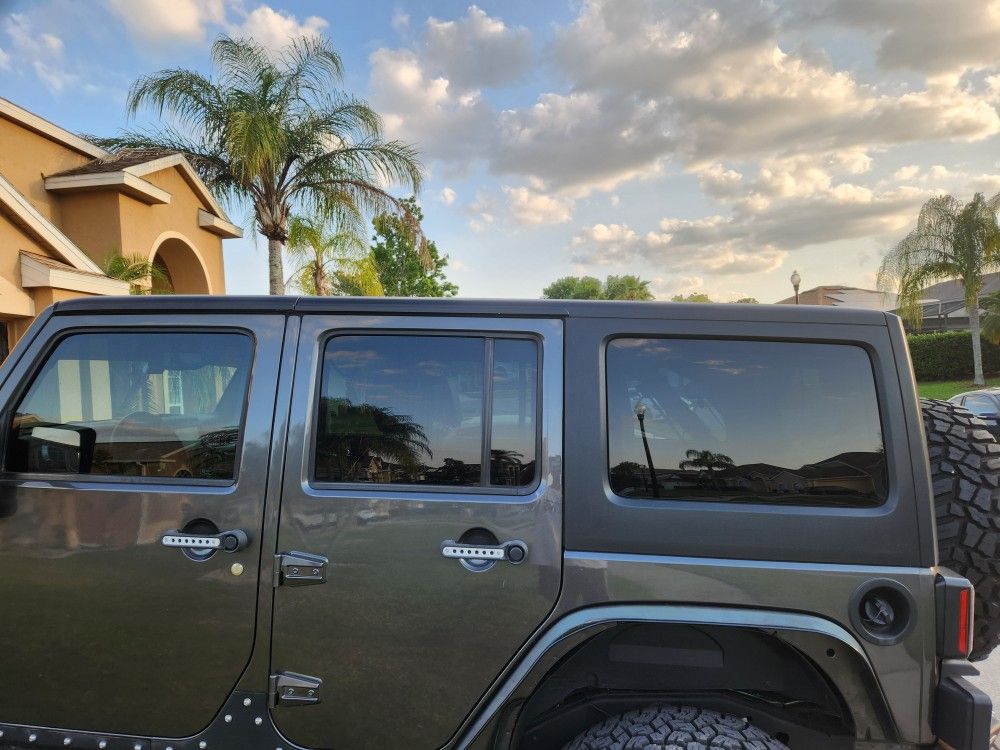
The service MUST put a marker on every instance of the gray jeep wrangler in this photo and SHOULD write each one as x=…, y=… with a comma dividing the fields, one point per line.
x=277, y=523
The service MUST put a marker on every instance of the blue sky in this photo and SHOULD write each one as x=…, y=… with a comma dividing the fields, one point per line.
x=707, y=146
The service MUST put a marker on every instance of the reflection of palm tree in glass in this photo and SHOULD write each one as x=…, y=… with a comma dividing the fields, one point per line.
x=357, y=433
x=709, y=463
x=504, y=466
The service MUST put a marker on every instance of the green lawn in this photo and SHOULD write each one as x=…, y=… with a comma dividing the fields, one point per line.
x=945, y=389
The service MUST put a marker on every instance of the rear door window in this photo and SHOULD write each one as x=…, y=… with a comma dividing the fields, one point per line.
x=139, y=404
x=744, y=421
x=420, y=410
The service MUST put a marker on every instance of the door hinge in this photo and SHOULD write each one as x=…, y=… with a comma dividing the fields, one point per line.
x=293, y=689
x=299, y=569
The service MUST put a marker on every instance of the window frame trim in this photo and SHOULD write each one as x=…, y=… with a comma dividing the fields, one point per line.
x=479, y=489
x=890, y=489
x=38, y=364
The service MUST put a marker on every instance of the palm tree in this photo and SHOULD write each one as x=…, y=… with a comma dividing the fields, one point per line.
x=143, y=277
x=357, y=433
x=331, y=261
x=275, y=131
x=627, y=287
x=708, y=462
x=950, y=241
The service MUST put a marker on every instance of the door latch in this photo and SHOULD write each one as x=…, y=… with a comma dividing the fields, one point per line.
x=294, y=689
x=299, y=569
x=513, y=552
x=229, y=541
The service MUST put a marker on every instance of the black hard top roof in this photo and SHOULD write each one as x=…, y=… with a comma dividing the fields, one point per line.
x=470, y=307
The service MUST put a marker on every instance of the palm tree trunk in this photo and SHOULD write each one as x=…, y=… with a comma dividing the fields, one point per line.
x=977, y=347
x=276, y=273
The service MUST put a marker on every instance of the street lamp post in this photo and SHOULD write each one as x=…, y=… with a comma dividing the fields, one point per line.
x=796, y=280
x=640, y=413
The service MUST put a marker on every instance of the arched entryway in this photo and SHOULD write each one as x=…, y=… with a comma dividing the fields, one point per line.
x=180, y=264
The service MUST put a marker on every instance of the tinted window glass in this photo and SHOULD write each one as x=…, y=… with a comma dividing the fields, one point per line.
x=135, y=404
x=980, y=404
x=744, y=421
x=401, y=409
x=513, y=429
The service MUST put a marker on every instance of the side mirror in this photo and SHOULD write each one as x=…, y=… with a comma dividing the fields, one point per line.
x=63, y=449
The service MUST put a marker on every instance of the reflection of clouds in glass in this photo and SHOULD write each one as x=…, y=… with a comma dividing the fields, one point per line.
x=801, y=412
x=352, y=358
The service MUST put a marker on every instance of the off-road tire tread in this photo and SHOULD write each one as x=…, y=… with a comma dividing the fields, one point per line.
x=665, y=727
x=965, y=471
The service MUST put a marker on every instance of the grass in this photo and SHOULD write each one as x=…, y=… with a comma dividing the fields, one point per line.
x=945, y=389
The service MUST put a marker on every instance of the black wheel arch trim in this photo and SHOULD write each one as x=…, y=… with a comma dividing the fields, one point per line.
x=870, y=709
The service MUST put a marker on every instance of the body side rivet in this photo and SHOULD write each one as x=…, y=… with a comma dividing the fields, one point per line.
x=236, y=569
x=102, y=744
x=67, y=741
x=258, y=721
x=246, y=701
x=228, y=718
x=203, y=744
x=32, y=737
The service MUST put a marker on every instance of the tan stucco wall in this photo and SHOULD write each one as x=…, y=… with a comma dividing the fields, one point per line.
x=13, y=299
x=92, y=220
x=145, y=227
x=26, y=156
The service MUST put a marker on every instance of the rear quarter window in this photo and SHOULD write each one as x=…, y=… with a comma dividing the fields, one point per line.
x=744, y=421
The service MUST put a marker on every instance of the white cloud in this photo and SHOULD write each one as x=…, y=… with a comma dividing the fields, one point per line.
x=582, y=141
x=614, y=200
x=926, y=35
x=400, y=20
x=42, y=52
x=274, y=29
x=164, y=21
x=424, y=110
x=735, y=93
x=4, y=60
x=482, y=212
x=447, y=196
x=477, y=51
x=531, y=206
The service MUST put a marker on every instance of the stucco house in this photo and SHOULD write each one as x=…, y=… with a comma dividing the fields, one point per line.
x=66, y=204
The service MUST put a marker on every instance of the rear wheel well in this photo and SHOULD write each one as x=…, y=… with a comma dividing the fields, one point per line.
x=744, y=671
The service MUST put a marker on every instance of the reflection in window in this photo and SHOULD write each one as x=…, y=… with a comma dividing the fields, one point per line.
x=400, y=409
x=512, y=446
x=744, y=421
x=404, y=409
x=135, y=404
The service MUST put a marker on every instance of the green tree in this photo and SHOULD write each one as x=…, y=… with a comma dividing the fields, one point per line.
x=329, y=260
x=275, y=131
x=693, y=297
x=143, y=277
x=627, y=287
x=747, y=301
x=403, y=269
x=574, y=287
x=950, y=241
x=708, y=463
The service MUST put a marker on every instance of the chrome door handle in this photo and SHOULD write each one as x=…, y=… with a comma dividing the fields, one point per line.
x=227, y=541
x=514, y=552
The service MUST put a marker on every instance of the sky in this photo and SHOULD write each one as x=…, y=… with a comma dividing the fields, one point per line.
x=707, y=146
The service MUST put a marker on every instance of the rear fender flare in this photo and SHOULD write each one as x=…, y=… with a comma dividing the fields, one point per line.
x=851, y=675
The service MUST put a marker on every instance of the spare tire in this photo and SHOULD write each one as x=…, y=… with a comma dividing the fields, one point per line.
x=965, y=471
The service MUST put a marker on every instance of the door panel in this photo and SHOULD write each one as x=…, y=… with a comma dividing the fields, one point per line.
x=404, y=639
x=770, y=515
x=104, y=628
